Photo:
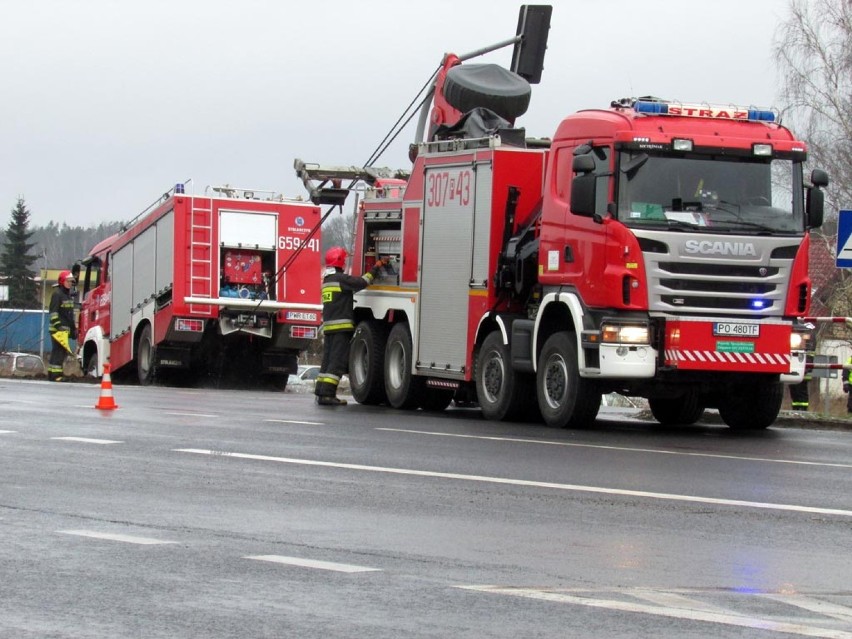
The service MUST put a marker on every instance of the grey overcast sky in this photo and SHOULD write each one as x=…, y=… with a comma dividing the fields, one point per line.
x=108, y=103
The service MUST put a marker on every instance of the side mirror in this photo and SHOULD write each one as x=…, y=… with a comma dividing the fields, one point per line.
x=815, y=206
x=819, y=178
x=583, y=164
x=583, y=195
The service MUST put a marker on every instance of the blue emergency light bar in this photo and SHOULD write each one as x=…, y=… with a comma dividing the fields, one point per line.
x=704, y=111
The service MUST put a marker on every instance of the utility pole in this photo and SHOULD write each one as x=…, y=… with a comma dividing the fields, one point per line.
x=43, y=294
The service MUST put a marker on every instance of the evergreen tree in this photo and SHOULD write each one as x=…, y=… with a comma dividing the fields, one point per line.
x=16, y=261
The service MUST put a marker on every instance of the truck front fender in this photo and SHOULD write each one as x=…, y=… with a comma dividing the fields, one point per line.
x=96, y=343
x=558, y=304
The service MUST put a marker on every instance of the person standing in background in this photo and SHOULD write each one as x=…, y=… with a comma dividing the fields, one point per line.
x=338, y=322
x=62, y=326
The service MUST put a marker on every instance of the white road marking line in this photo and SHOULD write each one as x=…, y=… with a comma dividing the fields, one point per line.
x=294, y=421
x=88, y=440
x=619, y=448
x=312, y=563
x=669, y=599
x=729, y=619
x=524, y=482
x=827, y=608
x=190, y=414
x=128, y=539
x=6, y=432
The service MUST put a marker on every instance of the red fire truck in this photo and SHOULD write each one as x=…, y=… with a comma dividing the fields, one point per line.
x=224, y=283
x=652, y=248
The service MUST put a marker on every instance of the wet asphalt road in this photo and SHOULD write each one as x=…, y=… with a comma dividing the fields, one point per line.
x=189, y=513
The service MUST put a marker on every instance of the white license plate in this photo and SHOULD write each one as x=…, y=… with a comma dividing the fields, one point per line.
x=304, y=317
x=734, y=329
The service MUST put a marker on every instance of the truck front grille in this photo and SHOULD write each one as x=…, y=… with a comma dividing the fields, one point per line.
x=680, y=283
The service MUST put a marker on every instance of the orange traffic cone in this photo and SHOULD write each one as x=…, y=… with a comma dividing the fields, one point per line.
x=106, y=401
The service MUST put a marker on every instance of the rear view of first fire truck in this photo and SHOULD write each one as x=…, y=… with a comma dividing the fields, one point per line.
x=223, y=284
x=654, y=249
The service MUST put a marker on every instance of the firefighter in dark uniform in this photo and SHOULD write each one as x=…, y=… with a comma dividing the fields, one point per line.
x=62, y=326
x=800, y=393
x=338, y=322
x=847, y=386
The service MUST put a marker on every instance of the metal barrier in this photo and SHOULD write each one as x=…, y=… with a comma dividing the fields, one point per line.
x=828, y=320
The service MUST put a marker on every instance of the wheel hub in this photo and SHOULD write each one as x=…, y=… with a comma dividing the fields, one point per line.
x=492, y=378
x=555, y=381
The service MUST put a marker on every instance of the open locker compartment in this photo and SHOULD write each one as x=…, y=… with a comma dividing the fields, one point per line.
x=383, y=240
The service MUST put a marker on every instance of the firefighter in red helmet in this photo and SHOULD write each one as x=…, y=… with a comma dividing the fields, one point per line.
x=62, y=327
x=338, y=322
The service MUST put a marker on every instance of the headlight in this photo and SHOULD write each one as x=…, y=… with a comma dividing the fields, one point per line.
x=797, y=341
x=679, y=144
x=615, y=334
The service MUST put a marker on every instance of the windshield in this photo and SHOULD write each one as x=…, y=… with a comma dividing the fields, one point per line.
x=715, y=194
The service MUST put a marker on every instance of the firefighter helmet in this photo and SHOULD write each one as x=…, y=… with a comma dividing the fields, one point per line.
x=336, y=257
x=66, y=276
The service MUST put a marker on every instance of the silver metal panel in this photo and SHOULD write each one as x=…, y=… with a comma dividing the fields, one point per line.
x=717, y=274
x=248, y=229
x=144, y=265
x=122, y=290
x=482, y=226
x=164, y=276
x=445, y=268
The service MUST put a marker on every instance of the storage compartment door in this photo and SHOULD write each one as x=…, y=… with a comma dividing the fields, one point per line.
x=446, y=267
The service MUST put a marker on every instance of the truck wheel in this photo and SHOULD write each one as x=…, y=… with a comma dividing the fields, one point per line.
x=753, y=407
x=277, y=382
x=501, y=391
x=366, y=362
x=145, y=357
x=400, y=387
x=566, y=400
x=434, y=400
x=90, y=367
x=685, y=409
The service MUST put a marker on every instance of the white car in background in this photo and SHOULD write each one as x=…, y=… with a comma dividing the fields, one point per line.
x=307, y=374
x=21, y=365
x=306, y=378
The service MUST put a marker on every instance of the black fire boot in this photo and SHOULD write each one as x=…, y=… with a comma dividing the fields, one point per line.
x=330, y=400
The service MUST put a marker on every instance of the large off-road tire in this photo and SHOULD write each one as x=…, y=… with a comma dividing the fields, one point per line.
x=752, y=407
x=490, y=86
x=400, y=387
x=502, y=393
x=367, y=361
x=685, y=409
x=566, y=400
x=145, y=368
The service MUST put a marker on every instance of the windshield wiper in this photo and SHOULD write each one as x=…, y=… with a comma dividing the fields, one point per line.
x=753, y=225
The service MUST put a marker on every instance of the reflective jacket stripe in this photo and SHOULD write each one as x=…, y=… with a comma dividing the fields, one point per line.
x=338, y=325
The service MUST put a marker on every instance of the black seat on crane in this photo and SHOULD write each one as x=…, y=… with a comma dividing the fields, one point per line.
x=468, y=86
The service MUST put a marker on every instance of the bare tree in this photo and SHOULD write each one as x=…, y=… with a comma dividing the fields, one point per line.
x=813, y=50
x=338, y=230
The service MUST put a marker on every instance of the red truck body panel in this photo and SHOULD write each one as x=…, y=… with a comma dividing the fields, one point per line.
x=201, y=272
